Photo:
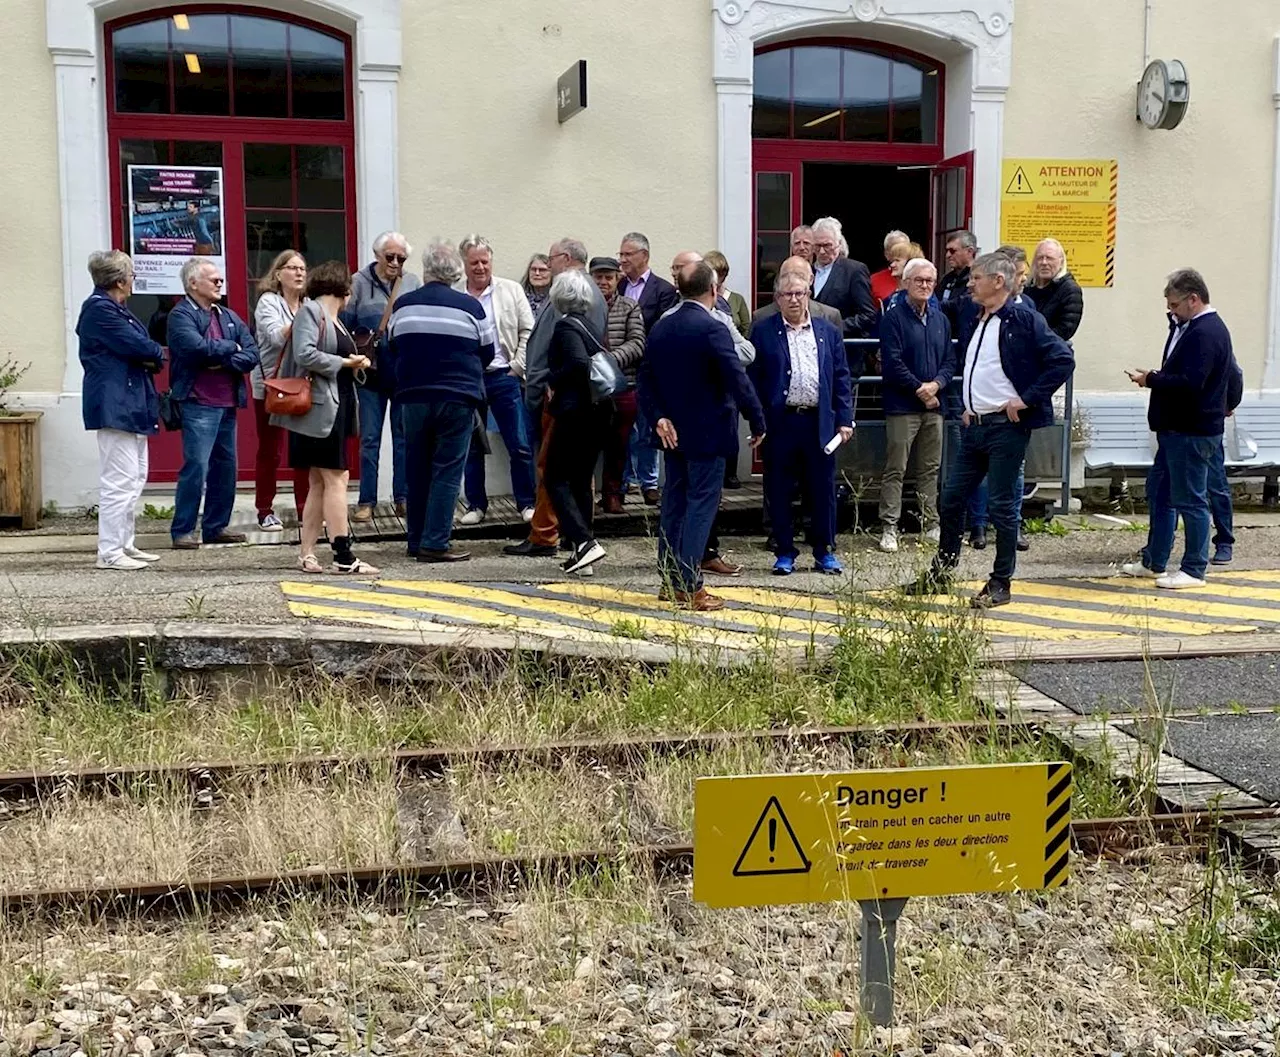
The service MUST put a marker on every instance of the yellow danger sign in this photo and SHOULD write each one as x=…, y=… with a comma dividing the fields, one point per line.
x=1071, y=200
x=801, y=838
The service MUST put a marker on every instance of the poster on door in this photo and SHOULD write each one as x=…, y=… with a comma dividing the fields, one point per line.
x=175, y=213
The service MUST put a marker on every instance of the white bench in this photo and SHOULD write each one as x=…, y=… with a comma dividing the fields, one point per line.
x=1121, y=445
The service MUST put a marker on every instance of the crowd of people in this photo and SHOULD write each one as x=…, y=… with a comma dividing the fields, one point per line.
x=600, y=359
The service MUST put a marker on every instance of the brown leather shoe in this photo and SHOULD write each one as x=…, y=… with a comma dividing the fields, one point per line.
x=229, y=537
x=650, y=497
x=402, y=508
x=701, y=601
x=451, y=555
x=364, y=513
x=612, y=504
x=721, y=567
x=188, y=542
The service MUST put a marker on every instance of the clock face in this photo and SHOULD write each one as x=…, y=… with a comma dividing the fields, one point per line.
x=1153, y=94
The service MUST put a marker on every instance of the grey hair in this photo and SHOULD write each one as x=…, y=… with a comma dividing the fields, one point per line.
x=1015, y=253
x=109, y=267
x=799, y=228
x=637, y=239
x=441, y=263
x=916, y=264
x=575, y=249
x=895, y=236
x=831, y=225
x=391, y=236
x=997, y=264
x=1187, y=281
x=967, y=239
x=474, y=242
x=571, y=292
x=786, y=275
x=192, y=268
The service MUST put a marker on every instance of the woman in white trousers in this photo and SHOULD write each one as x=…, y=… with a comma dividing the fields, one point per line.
x=120, y=402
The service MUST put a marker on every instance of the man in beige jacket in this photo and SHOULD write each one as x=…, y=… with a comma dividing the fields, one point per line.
x=507, y=307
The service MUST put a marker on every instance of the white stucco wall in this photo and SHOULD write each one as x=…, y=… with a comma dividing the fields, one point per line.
x=1198, y=196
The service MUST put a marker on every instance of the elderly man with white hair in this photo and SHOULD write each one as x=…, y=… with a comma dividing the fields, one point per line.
x=1054, y=290
x=842, y=282
x=917, y=361
x=440, y=343
x=374, y=290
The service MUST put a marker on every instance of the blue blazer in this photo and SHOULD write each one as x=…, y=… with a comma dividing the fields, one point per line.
x=658, y=296
x=191, y=350
x=691, y=375
x=770, y=373
x=1033, y=357
x=120, y=362
x=912, y=352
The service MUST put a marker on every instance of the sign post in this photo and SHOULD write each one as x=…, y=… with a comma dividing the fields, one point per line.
x=877, y=838
x=571, y=91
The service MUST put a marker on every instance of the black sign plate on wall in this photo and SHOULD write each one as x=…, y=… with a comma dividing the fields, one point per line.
x=571, y=91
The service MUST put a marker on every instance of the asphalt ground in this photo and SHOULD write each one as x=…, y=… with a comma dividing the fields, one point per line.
x=1241, y=749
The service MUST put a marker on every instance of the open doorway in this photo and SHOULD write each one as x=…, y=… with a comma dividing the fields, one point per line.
x=870, y=201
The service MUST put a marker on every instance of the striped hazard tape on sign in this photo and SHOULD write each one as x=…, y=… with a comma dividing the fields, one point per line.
x=1057, y=825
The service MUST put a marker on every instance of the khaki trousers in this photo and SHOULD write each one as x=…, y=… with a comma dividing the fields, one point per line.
x=923, y=432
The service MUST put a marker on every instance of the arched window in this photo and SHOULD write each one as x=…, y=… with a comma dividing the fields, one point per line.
x=845, y=93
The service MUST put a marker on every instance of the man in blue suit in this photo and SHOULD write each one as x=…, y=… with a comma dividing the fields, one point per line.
x=692, y=387
x=802, y=378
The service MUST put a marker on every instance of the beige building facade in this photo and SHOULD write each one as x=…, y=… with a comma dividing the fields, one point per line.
x=449, y=125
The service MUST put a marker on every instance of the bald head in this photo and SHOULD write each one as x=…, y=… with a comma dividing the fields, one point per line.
x=797, y=266
x=681, y=261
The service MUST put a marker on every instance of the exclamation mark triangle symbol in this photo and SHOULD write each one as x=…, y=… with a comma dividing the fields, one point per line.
x=1020, y=184
x=773, y=847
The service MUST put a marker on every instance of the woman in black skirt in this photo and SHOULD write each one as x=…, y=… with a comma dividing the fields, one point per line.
x=321, y=348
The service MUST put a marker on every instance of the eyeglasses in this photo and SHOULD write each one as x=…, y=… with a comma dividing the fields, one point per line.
x=793, y=295
x=216, y=282
x=824, y=245
x=555, y=255
x=394, y=258
x=294, y=268
x=922, y=281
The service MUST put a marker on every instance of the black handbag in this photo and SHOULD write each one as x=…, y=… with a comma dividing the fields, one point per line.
x=170, y=413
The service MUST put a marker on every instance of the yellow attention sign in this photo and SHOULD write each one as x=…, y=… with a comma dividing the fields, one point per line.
x=1073, y=201
x=802, y=838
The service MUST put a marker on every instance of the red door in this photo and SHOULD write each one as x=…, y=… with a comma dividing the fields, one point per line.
x=266, y=100
x=952, y=205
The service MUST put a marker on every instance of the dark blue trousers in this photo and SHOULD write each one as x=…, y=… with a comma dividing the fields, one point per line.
x=437, y=435
x=793, y=453
x=689, y=504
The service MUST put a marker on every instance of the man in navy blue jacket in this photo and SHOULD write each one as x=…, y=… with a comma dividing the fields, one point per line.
x=440, y=343
x=1189, y=397
x=1013, y=364
x=210, y=350
x=802, y=378
x=917, y=361
x=692, y=386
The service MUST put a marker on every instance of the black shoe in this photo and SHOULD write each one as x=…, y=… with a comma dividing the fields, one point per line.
x=992, y=594
x=529, y=549
x=732, y=482
x=582, y=556
x=933, y=582
x=1024, y=544
x=978, y=539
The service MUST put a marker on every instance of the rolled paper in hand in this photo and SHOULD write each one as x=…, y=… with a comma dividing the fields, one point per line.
x=833, y=443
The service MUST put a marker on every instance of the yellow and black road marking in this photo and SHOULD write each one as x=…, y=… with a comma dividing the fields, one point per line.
x=1043, y=610
x=1057, y=825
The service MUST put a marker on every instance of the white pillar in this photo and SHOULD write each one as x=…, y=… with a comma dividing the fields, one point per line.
x=988, y=153
x=377, y=156
x=737, y=196
x=1271, y=373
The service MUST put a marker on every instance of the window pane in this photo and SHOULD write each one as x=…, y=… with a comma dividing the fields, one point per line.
x=260, y=55
x=915, y=113
x=319, y=80
x=323, y=237
x=200, y=66
x=268, y=175
x=320, y=178
x=866, y=97
x=196, y=152
x=773, y=201
x=771, y=108
x=141, y=56
x=817, y=88
x=267, y=232
x=771, y=251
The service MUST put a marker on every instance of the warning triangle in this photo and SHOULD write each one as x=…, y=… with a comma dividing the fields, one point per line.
x=772, y=847
x=1019, y=185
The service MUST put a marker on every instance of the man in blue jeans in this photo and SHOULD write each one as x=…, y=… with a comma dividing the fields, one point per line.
x=210, y=349
x=1191, y=394
x=1013, y=364
x=440, y=343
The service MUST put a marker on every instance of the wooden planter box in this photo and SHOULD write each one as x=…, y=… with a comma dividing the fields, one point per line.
x=20, y=491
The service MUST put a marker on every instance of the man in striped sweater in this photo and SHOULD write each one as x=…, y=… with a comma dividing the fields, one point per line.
x=440, y=343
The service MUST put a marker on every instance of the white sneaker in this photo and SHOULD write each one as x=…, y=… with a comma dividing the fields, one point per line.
x=934, y=535
x=121, y=564
x=889, y=541
x=270, y=523
x=582, y=557
x=140, y=556
x=1179, y=581
x=472, y=517
x=526, y=515
x=586, y=570
x=1139, y=570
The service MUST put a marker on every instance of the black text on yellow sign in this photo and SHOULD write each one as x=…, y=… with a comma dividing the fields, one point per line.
x=800, y=838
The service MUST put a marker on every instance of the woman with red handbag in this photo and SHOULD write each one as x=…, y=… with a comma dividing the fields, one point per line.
x=313, y=396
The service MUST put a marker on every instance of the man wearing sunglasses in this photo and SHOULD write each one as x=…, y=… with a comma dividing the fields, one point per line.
x=374, y=289
x=210, y=350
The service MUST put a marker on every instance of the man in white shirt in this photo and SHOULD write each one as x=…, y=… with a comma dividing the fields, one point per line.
x=1013, y=364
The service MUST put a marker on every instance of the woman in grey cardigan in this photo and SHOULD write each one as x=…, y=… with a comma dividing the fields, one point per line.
x=322, y=348
x=281, y=294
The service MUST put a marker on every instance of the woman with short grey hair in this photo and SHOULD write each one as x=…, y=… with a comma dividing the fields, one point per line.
x=578, y=427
